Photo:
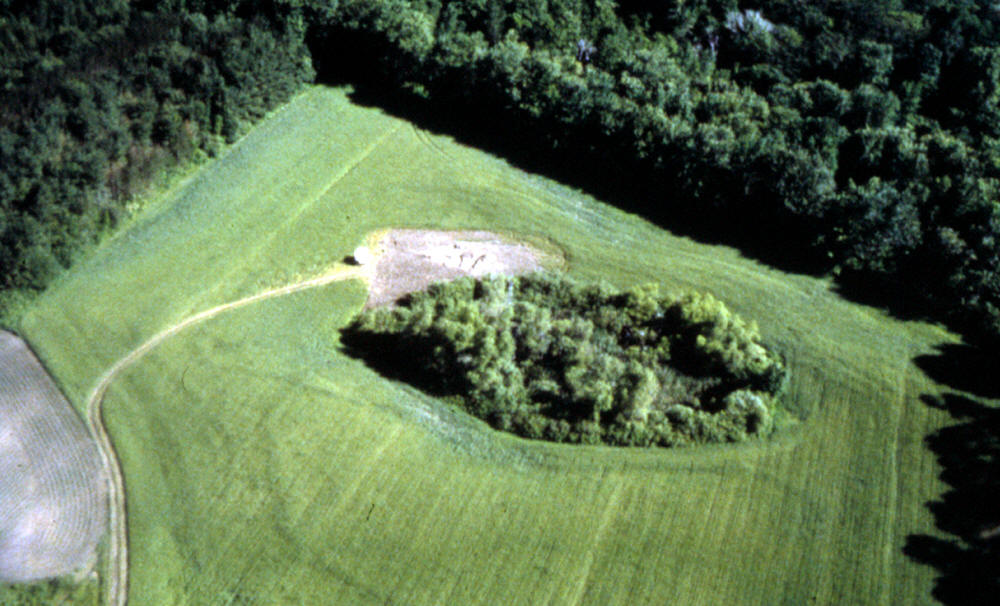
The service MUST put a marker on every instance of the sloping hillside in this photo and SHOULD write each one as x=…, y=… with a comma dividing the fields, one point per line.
x=263, y=465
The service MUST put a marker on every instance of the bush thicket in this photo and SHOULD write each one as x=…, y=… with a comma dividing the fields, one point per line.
x=550, y=358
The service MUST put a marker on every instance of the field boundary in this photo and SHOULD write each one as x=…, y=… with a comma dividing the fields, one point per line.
x=116, y=577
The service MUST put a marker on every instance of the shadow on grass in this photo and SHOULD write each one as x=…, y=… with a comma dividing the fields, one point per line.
x=394, y=360
x=586, y=161
x=896, y=295
x=965, y=368
x=968, y=452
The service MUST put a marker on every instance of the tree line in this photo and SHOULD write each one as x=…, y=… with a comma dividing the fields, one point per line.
x=859, y=138
x=550, y=358
x=98, y=99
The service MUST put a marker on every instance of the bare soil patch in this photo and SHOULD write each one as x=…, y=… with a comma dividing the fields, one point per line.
x=409, y=260
x=53, y=491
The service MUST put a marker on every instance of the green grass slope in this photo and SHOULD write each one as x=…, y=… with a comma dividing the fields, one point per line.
x=263, y=466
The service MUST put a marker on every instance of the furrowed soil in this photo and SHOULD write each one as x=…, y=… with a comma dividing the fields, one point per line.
x=263, y=465
x=53, y=498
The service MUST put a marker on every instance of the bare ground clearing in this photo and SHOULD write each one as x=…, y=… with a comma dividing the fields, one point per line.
x=53, y=493
x=408, y=260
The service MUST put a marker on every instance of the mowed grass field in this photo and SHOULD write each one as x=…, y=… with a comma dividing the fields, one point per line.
x=264, y=466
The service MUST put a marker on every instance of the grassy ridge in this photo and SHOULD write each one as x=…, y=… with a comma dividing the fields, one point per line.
x=260, y=462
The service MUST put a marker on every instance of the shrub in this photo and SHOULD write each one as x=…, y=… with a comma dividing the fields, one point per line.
x=550, y=358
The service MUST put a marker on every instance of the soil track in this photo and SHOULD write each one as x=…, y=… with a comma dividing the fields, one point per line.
x=116, y=577
x=403, y=261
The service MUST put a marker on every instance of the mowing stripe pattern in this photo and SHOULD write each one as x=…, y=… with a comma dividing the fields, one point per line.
x=266, y=466
x=116, y=579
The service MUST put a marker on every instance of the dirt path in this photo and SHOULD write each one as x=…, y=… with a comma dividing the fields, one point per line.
x=401, y=261
x=116, y=577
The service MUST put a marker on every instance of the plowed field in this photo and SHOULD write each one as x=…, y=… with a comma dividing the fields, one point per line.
x=52, y=489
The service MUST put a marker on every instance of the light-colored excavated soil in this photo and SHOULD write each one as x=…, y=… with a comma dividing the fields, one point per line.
x=408, y=260
x=53, y=491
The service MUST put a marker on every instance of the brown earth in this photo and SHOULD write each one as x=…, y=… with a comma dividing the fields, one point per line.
x=408, y=260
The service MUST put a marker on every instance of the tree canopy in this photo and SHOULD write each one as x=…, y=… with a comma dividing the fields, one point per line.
x=859, y=138
x=547, y=357
x=98, y=99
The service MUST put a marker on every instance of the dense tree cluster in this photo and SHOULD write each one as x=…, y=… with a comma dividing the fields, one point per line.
x=861, y=137
x=550, y=358
x=858, y=137
x=97, y=98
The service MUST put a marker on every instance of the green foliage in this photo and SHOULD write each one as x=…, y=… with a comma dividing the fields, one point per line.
x=308, y=439
x=97, y=101
x=45, y=593
x=782, y=115
x=743, y=114
x=551, y=358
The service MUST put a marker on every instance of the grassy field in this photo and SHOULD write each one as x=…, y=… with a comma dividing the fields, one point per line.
x=264, y=466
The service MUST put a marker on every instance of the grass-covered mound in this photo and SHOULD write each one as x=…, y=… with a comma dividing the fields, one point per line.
x=551, y=358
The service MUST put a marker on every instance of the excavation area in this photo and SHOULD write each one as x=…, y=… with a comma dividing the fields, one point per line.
x=409, y=260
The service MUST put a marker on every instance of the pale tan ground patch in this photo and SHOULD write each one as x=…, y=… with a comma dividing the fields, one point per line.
x=409, y=260
x=53, y=491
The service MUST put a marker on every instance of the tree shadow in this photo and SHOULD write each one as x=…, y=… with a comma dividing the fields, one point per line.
x=394, y=359
x=585, y=160
x=894, y=294
x=968, y=452
x=963, y=367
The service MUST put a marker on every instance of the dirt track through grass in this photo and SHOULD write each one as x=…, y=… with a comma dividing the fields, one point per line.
x=116, y=575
